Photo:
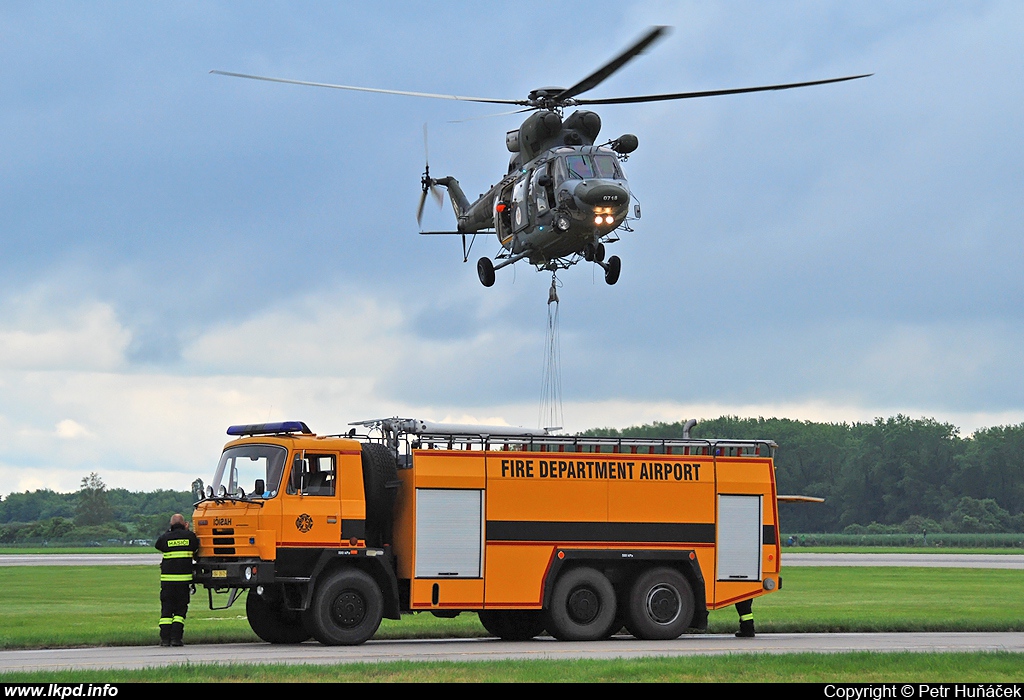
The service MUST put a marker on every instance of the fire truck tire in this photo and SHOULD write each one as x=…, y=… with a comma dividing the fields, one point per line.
x=379, y=469
x=346, y=609
x=660, y=605
x=272, y=622
x=512, y=625
x=582, y=606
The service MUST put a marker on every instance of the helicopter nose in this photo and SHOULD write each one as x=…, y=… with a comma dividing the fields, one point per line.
x=601, y=194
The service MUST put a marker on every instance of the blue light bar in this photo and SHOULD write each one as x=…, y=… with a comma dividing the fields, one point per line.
x=288, y=426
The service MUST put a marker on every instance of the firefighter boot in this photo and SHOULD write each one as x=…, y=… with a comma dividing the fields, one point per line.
x=746, y=627
x=177, y=631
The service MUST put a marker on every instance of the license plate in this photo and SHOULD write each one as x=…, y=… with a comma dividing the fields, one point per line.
x=220, y=573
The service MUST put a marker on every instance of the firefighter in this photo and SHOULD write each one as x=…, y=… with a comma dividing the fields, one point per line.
x=179, y=545
x=744, y=608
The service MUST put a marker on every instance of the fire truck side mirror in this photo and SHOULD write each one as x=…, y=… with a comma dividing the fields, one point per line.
x=295, y=479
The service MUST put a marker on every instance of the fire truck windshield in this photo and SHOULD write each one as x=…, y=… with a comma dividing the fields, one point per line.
x=242, y=466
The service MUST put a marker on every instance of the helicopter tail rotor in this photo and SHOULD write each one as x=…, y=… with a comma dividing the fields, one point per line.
x=427, y=183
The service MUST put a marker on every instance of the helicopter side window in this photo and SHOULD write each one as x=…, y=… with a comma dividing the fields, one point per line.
x=539, y=191
x=558, y=171
x=607, y=167
x=580, y=167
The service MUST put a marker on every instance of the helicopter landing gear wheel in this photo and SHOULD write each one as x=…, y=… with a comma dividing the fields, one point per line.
x=593, y=252
x=485, y=271
x=612, y=269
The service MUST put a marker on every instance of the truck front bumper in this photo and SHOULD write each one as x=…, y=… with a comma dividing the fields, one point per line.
x=243, y=573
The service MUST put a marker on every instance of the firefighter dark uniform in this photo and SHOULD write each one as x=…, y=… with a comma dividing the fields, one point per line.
x=178, y=544
x=745, y=610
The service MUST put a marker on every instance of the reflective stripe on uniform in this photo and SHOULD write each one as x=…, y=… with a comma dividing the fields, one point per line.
x=165, y=621
x=178, y=618
x=745, y=618
x=176, y=578
x=177, y=555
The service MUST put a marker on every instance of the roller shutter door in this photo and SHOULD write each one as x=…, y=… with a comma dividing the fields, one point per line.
x=449, y=533
x=739, y=538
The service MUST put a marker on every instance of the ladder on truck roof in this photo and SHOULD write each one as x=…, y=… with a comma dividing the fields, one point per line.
x=416, y=433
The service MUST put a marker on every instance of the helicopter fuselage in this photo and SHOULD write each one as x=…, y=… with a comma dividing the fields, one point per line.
x=562, y=197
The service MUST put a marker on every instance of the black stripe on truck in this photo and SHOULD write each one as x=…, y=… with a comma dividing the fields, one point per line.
x=543, y=531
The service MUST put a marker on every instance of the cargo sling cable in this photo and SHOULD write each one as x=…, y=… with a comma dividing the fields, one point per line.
x=550, y=415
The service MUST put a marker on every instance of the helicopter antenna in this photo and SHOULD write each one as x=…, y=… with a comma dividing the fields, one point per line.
x=428, y=183
x=551, y=382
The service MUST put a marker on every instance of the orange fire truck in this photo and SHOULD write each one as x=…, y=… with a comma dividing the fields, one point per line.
x=578, y=536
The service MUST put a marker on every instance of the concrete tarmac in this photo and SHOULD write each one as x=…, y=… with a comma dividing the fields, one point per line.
x=494, y=649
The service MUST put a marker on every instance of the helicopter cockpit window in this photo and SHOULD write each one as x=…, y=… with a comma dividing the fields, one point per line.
x=583, y=167
x=245, y=465
x=607, y=167
x=579, y=167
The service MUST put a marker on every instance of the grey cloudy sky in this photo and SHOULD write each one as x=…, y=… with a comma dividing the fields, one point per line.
x=182, y=251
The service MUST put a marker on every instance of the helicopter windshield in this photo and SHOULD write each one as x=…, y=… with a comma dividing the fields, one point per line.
x=243, y=465
x=584, y=167
x=607, y=167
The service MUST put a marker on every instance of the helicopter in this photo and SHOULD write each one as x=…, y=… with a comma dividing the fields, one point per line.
x=564, y=195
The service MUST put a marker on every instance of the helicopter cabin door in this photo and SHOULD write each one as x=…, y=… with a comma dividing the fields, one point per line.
x=503, y=216
x=520, y=209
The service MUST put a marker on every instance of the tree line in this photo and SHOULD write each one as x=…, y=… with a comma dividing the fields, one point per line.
x=892, y=475
x=92, y=515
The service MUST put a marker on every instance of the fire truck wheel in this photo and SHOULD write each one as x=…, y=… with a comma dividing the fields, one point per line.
x=272, y=622
x=346, y=609
x=582, y=606
x=512, y=625
x=660, y=605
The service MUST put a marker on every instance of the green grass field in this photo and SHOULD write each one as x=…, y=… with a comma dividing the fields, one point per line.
x=118, y=605
x=86, y=606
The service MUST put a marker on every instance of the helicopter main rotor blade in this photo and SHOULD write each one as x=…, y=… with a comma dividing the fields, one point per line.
x=461, y=98
x=713, y=93
x=488, y=116
x=598, y=76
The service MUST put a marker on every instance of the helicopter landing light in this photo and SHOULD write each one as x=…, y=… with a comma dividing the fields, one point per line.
x=598, y=219
x=609, y=220
x=562, y=223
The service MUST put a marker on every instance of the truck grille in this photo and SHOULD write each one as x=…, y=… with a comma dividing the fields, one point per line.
x=229, y=541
